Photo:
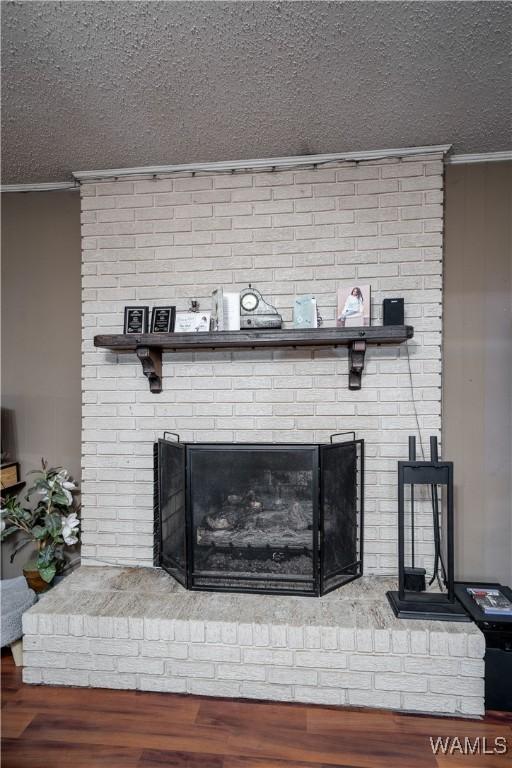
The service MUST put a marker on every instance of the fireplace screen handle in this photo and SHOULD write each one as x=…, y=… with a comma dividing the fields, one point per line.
x=341, y=434
x=174, y=434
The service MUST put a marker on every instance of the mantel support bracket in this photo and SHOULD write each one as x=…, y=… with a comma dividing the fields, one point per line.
x=151, y=359
x=357, y=353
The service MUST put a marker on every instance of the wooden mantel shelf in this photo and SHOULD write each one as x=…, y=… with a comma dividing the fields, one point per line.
x=150, y=346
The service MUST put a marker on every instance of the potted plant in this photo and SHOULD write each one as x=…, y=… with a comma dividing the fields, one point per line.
x=51, y=522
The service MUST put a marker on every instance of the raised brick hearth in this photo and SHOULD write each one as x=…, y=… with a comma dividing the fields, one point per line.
x=137, y=628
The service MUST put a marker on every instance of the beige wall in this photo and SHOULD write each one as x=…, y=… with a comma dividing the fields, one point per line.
x=477, y=392
x=41, y=330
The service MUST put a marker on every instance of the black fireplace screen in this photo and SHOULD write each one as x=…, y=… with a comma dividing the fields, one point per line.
x=284, y=519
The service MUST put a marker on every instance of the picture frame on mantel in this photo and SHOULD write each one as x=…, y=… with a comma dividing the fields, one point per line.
x=136, y=319
x=163, y=319
x=353, y=306
x=192, y=322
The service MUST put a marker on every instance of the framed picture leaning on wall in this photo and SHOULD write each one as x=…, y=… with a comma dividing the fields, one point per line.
x=162, y=319
x=353, y=306
x=136, y=319
x=192, y=322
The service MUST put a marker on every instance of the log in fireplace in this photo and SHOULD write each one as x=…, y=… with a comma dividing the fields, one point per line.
x=265, y=518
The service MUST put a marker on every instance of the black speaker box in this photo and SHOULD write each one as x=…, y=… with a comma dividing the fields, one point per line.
x=393, y=311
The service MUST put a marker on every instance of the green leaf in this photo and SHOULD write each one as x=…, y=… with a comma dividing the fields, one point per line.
x=39, y=531
x=45, y=556
x=11, y=507
x=48, y=572
x=60, y=499
x=53, y=523
x=41, y=484
x=59, y=556
x=7, y=532
x=10, y=529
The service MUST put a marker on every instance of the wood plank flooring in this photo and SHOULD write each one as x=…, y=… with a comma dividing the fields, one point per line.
x=53, y=727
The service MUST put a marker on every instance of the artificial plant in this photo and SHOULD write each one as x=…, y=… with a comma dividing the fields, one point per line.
x=50, y=518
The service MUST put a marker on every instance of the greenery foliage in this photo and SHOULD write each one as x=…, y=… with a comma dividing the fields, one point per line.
x=49, y=519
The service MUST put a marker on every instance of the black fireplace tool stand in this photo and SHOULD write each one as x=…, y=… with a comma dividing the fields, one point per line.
x=410, y=603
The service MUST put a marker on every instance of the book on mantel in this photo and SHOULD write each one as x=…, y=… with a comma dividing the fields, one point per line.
x=225, y=311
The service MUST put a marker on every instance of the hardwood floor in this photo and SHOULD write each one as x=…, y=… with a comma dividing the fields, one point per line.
x=50, y=727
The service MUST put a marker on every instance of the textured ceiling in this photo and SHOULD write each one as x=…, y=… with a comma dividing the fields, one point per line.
x=89, y=85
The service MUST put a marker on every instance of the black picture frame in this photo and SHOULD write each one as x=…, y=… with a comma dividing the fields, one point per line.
x=163, y=319
x=136, y=319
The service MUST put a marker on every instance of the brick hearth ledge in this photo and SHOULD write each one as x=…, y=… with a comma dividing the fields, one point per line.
x=136, y=628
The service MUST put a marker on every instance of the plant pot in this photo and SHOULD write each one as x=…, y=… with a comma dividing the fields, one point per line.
x=35, y=580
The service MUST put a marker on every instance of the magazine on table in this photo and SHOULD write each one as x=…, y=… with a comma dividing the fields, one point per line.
x=491, y=601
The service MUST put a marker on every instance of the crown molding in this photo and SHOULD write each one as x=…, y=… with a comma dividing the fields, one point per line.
x=43, y=187
x=479, y=157
x=260, y=163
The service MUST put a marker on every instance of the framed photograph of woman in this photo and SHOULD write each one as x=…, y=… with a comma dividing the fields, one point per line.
x=353, y=306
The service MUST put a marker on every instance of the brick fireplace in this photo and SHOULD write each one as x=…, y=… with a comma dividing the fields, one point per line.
x=170, y=239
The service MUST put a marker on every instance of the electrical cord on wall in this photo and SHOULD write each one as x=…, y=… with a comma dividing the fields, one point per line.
x=438, y=557
x=414, y=401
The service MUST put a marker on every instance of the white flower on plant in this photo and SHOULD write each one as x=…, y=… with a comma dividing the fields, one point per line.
x=68, y=496
x=66, y=485
x=2, y=525
x=69, y=523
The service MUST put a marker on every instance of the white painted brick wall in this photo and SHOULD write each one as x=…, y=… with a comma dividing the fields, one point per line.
x=128, y=628
x=424, y=670
x=169, y=240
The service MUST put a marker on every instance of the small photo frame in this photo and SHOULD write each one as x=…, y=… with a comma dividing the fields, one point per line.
x=353, y=306
x=136, y=319
x=192, y=322
x=162, y=319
